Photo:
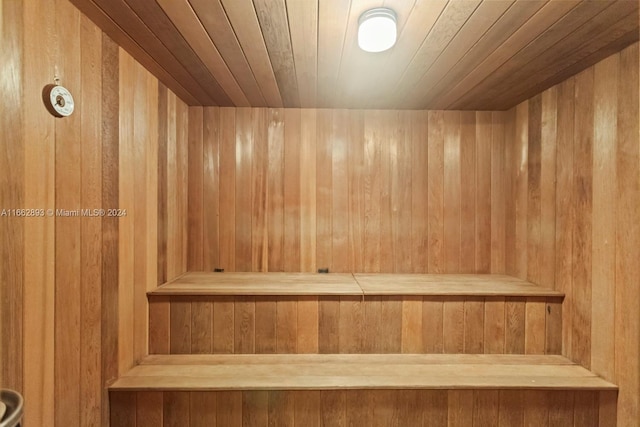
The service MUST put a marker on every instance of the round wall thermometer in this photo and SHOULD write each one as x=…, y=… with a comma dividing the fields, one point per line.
x=58, y=100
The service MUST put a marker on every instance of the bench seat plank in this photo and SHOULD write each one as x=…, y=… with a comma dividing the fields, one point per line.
x=288, y=284
x=329, y=372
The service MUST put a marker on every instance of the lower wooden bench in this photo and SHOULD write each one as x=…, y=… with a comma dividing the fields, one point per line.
x=220, y=313
x=361, y=390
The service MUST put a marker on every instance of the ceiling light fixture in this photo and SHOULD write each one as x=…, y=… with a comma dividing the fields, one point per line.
x=377, y=29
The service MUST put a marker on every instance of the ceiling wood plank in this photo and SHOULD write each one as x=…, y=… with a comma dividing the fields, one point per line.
x=604, y=28
x=478, y=24
x=191, y=28
x=332, y=26
x=127, y=19
x=445, y=29
x=272, y=15
x=450, y=54
x=419, y=23
x=514, y=18
x=523, y=36
x=165, y=31
x=244, y=21
x=214, y=19
x=111, y=28
x=613, y=47
x=303, y=24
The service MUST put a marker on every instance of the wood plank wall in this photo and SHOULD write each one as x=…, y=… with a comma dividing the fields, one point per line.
x=349, y=324
x=573, y=161
x=363, y=191
x=73, y=311
x=410, y=408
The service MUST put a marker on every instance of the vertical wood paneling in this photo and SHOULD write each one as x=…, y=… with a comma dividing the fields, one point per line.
x=498, y=193
x=323, y=189
x=588, y=192
x=603, y=231
x=411, y=408
x=196, y=190
x=110, y=197
x=308, y=195
x=211, y=189
x=91, y=231
x=228, y=161
x=12, y=192
x=494, y=325
x=32, y=372
x=582, y=238
x=275, y=191
x=435, y=191
x=83, y=317
x=533, y=208
x=419, y=191
x=372, y=195
x=258, y=191
x=159, y=325
x=266, y=325
x=68, y=251
x=356, y=190
x=627, y=325
x=468, y=192
x=452, y=192
x=149, y=409
x=243, y=189
x=548, y=157
x=339, y=191
x=292, y=191
x=483, y=195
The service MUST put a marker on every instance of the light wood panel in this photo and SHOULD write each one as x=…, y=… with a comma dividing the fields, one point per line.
x=582, y=191
x=353, y=324
x=366, y=202
x=484, y=55
x=337, y=407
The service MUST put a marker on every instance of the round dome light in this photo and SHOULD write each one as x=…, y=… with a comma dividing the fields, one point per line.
x=377, y=29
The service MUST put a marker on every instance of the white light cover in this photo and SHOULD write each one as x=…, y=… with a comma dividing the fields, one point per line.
x=377, y=30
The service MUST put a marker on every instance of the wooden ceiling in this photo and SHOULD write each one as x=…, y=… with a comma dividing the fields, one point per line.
x=456, y=54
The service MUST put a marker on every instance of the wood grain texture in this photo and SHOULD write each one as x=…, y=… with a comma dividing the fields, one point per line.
x=412, y=408
x=468, y=55
x=325, y=186
x=91, y=301
x=589, y=131
x=349, y=324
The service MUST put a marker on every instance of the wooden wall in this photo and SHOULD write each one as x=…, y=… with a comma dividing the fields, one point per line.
x=73, y=309
x=573, y=214
x=353, y=324
x=362, y=191
x=410, y=408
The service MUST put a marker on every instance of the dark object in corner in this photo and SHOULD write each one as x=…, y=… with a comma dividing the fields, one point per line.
x=218, y=270
x=323, y=270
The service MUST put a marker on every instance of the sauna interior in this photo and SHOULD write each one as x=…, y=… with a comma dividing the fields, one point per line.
x=249, y=221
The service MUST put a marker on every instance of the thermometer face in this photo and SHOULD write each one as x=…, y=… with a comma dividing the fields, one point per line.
x=60, y=101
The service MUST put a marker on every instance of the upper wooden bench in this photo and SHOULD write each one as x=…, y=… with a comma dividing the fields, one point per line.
x=290, y=284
